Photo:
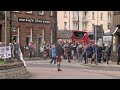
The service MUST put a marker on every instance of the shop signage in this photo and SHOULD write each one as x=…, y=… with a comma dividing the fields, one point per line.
x=30, y=20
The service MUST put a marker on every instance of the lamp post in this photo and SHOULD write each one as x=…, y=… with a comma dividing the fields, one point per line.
x=78, y=20
x=5, y=28
x=10, y=27
x=30, y=31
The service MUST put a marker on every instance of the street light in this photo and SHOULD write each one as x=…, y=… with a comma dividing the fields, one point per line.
x=5, y=28
x=78, y=20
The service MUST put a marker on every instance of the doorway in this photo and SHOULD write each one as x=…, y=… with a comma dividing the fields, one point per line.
x=0, y=32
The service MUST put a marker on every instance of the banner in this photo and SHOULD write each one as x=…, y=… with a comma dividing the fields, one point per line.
x=5, y=52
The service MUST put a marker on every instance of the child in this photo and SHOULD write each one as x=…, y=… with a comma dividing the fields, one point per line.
x=53, y=54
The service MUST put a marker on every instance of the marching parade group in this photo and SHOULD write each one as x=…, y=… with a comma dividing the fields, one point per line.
x=71, y=51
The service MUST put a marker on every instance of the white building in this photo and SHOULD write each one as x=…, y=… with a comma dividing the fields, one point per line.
x=68, y=20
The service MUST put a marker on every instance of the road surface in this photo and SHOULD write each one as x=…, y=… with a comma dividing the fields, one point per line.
x=41, y=69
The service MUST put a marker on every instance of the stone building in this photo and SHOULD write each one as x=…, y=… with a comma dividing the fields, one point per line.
x=27, y=26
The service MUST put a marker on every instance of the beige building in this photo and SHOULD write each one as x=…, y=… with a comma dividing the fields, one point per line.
x=68, y=20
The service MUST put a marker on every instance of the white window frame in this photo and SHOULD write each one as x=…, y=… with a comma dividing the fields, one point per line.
x=101, y=16
x=30, y=12
x=16, y=11
x=41, y=12
x=65, y=25
x=65, y=14
x=51, y=13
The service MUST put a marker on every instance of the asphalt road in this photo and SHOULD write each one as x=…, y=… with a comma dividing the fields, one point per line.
x=45, y=70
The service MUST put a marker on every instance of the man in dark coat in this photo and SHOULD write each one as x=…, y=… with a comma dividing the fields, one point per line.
x=59, y=52
x=69, y=52
x=118, y=54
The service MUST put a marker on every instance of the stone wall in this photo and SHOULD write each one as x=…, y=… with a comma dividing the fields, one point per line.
x=14, y=71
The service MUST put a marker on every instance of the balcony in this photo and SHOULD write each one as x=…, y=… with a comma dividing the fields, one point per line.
x=84, y=19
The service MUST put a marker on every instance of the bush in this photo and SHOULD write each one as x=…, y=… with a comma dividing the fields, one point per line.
x=1, y=61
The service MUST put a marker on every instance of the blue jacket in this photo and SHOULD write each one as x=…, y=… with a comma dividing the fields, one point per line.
x=53, y=52
x=89, y=50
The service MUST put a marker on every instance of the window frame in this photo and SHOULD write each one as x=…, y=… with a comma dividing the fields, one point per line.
x=93, y=15
x=41, y=13
x=101, y=16
x=51, y=13
x=29, y=12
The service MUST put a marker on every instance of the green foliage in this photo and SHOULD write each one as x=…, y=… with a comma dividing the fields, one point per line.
x=1, y=61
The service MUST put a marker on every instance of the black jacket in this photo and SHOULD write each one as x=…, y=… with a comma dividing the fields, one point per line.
x=59, y=49
x=118, y=50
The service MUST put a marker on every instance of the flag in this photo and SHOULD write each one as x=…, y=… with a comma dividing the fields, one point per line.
x=86, y=38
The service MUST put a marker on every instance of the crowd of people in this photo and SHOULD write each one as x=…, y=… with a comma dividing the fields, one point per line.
x=72, y=51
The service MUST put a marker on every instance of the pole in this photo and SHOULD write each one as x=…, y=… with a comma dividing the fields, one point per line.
x=5, y=28
x=18, y=34
x=102, y=42
x=69, y=20
x=78, y=20
x=30, y=31
x=5, y=60
x=96, y=46
x=37, y=45
x=10, y=27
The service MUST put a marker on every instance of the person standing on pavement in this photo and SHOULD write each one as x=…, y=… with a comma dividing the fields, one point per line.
x=16, y=51
x=69, y=52
x=79, y=52
x=84, y=53
x=53, y=51
x=107, y=53
x=118, y=54
x=59, y=52
x=89, y=53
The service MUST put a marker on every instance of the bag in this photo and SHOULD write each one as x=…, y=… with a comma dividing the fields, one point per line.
x=93, y=56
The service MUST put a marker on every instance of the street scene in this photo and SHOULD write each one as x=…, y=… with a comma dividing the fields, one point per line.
x=59, y=44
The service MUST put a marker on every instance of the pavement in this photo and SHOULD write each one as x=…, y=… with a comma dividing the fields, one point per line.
x=103, y=64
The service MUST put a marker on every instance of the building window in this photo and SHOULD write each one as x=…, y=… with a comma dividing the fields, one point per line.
x=30, y=12
x=75, y=15
x=93, y=27
x=101, y=17
x=27, y=40
x=65, y=25
x=15, y=38
x=109, y=26
x=93, y=15
x=51, y=13
x=65, y=14
x=109, y=17
x=41, y=12
x=83, y=26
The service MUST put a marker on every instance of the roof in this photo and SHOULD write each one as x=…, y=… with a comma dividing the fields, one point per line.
x=64, y=34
